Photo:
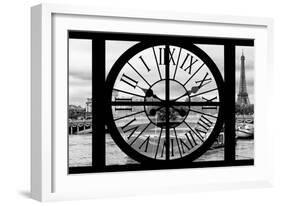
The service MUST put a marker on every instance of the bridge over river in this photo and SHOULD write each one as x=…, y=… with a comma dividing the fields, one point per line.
x=80, y=126
x=85, y=126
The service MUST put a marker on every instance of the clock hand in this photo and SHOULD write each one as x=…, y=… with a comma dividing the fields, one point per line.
x=149, y=93
x=181, y=111
x=153, y=111
x=196, y=88
x=154, y=96
x=143, y=89
x=188, y=92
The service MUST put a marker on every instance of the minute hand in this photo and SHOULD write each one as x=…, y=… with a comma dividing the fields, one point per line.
x=194, y=90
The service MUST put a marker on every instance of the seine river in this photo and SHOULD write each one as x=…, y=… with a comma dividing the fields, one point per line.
x=80, y=151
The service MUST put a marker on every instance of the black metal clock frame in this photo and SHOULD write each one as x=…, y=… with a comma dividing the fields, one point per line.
x=101, y=105
x=167, y=103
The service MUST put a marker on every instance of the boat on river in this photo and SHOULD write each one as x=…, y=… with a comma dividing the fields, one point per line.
x=245, y=131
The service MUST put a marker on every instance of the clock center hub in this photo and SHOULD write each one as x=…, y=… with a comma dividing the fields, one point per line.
x=158, y=114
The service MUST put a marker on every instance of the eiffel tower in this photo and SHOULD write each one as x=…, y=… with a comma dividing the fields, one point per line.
x=243, y=95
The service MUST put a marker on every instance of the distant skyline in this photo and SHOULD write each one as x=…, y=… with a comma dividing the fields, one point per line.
x=80, y=65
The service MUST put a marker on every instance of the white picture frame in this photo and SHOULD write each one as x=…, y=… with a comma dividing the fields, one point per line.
x=49, y=179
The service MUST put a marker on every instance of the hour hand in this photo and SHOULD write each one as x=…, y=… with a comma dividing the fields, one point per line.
x=193, y=90
x=143, y=89
x=149, y=93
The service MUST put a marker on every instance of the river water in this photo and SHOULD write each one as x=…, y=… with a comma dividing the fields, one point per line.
x=80, y=151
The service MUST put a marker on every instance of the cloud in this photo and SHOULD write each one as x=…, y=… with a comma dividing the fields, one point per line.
x=114, y=49
x=79, y=94
x=81, y=75
x=80, y=71
x=80, y=65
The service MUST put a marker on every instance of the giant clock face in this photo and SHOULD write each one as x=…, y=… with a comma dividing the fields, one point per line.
x=165, y=102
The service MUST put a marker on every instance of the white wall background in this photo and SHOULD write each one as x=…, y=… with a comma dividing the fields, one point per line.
x=15, y=101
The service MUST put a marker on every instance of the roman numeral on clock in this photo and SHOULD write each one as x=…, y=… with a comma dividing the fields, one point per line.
x=184, y=145
x=165, y=147
x=204, y=81
x=146, y=143
x=126, y=128
x=205, y=124
x=123, y=107
x=191, y=140
x=209, y=100
x=188, y=64
x=144, y=63
x=128, y=80
x=171, y=56
x=191, y=135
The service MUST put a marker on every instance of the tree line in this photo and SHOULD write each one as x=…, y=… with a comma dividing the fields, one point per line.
x=75, y=112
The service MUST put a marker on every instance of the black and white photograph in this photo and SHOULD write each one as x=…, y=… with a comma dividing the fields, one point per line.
x=169, y=100
x=244, y=109
x=141, y=102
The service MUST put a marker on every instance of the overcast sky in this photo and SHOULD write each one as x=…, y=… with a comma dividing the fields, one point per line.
x=80, y=65
x=80, y=75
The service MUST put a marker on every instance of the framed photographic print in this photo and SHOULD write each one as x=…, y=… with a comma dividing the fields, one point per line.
x=158, y=101
x=121, y=100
